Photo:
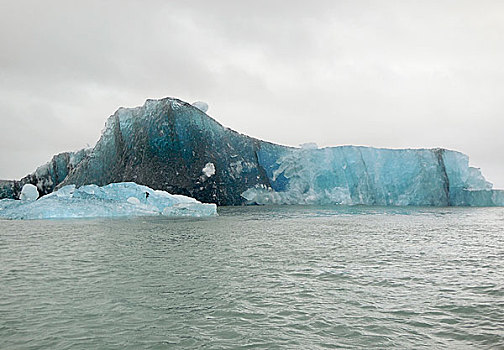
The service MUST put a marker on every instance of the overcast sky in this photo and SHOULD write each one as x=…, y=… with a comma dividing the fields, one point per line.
x=379, y=73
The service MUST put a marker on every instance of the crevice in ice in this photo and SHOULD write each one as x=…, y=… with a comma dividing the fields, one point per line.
x=260, y=169
x=366, y=176
x=444, y=175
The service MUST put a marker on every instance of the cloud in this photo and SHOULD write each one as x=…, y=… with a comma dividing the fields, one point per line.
x=387, y=74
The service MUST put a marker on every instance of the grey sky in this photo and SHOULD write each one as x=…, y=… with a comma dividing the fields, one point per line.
x=380, y=73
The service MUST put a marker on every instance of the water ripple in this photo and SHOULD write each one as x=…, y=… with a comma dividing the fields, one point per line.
x=257, y=278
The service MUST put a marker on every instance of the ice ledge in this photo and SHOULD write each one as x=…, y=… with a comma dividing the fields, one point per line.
x=114, y=200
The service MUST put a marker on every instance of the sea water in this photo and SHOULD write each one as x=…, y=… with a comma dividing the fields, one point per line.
x=287, y=277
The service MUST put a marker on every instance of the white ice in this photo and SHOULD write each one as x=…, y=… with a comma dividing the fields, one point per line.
x=113, y=200
x=29, y=192
x=209, y=169
x=202, y=106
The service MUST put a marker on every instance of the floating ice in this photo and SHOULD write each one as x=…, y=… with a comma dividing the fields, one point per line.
x=29, y=193
x=209, y=169
x=168, y=143
x=202, y=106
x=113, y=200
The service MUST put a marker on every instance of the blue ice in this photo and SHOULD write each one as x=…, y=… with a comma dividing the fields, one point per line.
x=113, y=200
x=372, y=176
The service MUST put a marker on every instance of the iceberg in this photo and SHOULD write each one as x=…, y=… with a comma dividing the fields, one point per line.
x=173, y=146
x=114, y=200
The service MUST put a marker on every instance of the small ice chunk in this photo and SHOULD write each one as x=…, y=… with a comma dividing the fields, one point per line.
x=308, y=145
x=209, y=169
x=29, y=192
x=202, y=106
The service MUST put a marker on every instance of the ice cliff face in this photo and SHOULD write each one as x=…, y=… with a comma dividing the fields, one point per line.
x=173, y=146
x=363, y=175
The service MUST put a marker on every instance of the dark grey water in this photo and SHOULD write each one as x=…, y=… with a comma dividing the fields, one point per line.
x=257, y=277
